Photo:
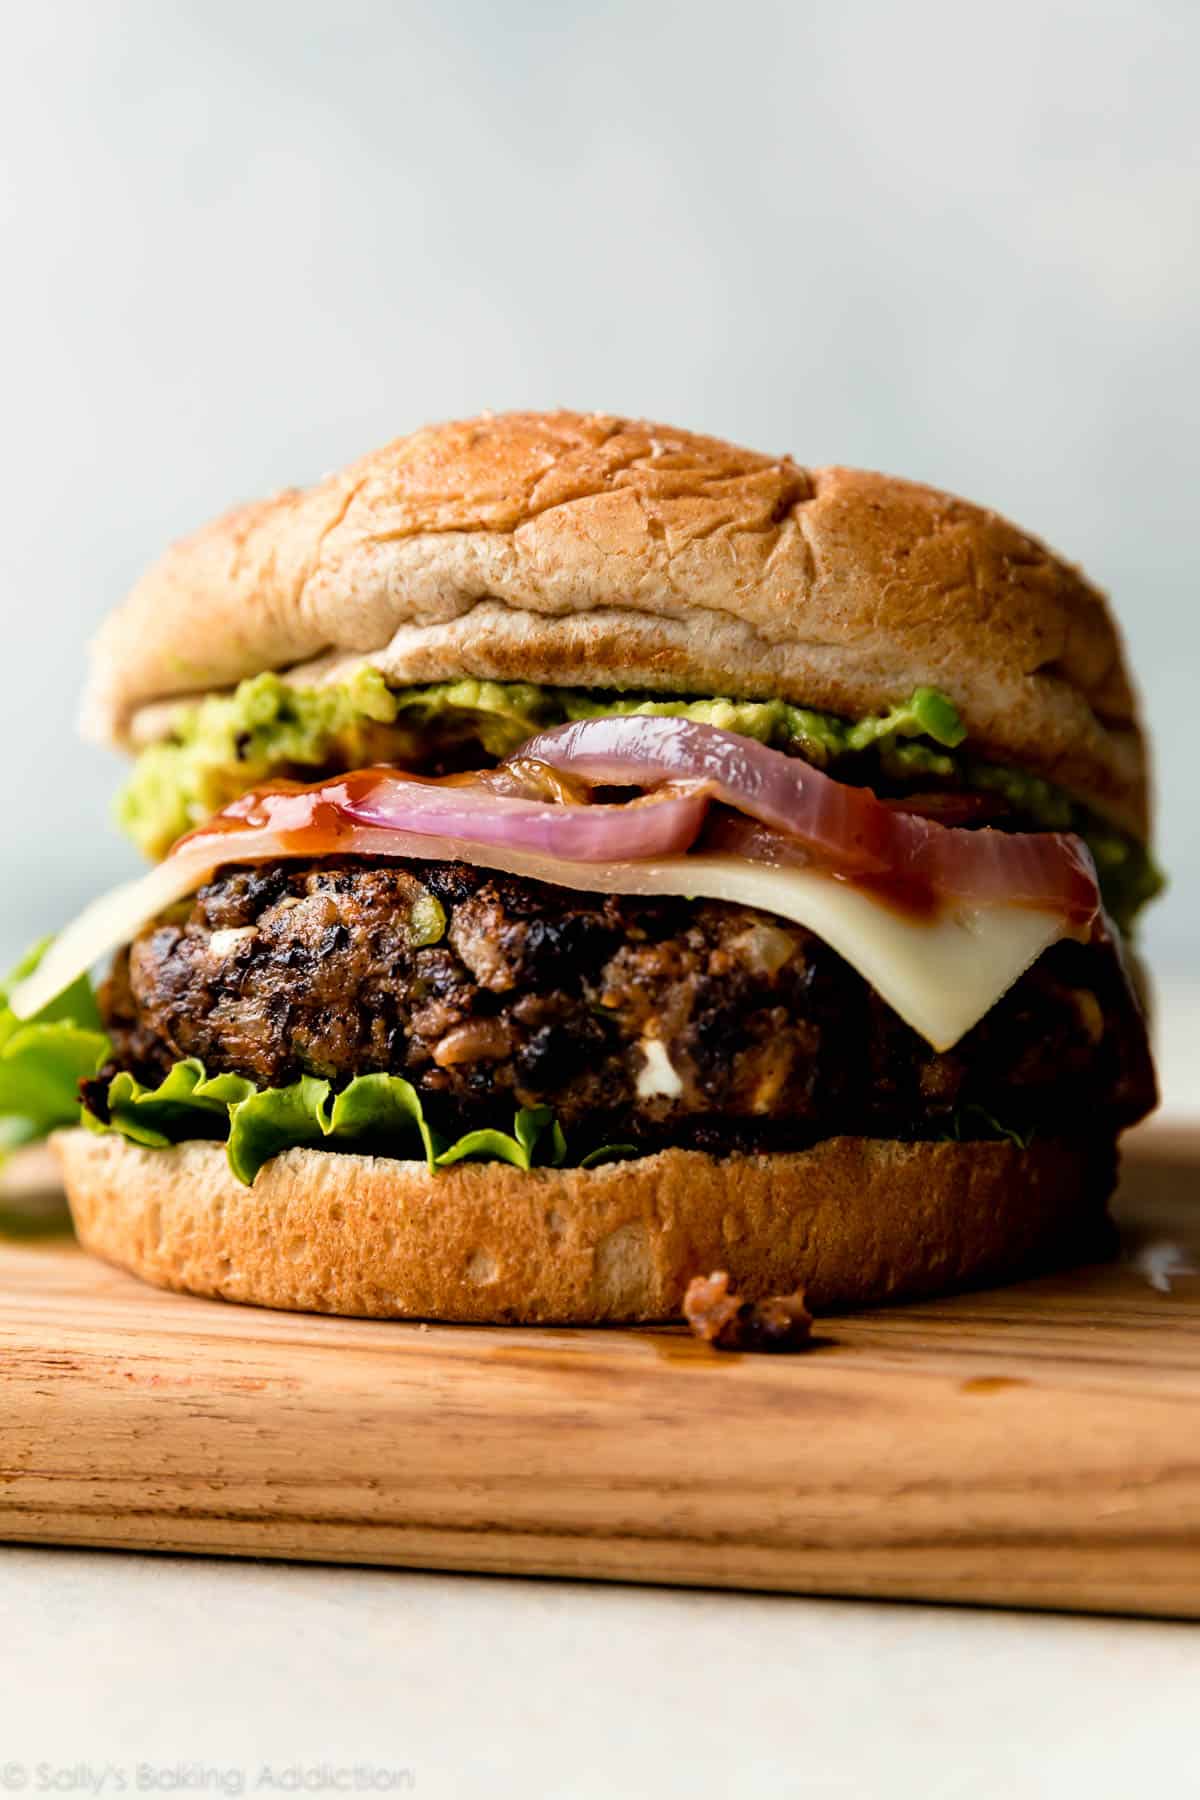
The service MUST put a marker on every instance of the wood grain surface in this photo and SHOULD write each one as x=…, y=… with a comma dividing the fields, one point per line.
x=1038, y=1445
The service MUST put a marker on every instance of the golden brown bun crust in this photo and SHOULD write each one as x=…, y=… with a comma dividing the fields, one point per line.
x=853, y=1221
x=596, y=551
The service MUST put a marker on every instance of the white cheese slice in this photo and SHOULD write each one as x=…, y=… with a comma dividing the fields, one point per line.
x=940, y=972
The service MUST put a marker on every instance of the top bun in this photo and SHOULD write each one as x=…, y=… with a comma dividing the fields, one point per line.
x=591, y=551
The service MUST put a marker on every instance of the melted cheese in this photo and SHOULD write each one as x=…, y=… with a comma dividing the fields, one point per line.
x=941, y=973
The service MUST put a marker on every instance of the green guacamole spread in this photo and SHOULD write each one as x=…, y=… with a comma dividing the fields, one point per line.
x=266, y=729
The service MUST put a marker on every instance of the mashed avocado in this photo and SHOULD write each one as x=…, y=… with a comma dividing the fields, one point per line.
x=266, y=729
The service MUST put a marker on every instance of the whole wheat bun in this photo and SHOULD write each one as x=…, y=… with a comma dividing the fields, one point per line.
x=854, y=1221
x=593, y=551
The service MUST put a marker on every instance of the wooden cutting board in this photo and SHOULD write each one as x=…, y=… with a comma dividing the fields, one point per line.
x=1036, y=1446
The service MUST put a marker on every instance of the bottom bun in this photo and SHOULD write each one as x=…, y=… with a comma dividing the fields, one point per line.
x=853, y=1221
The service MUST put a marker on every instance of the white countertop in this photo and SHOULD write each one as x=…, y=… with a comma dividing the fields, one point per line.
x=176, y=1675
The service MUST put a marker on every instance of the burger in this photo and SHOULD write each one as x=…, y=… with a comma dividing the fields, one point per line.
x=587, y=854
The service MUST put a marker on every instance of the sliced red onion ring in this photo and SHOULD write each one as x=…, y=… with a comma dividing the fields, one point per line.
x=1046, y=871
x=847, y=823
x=634, y=832
x=826, y=821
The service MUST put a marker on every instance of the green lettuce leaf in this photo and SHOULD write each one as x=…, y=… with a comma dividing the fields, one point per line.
x=43, y=1059
x=609, y=1153
x=76, y=1004
x=187, y=1103
x=272, y=1120
x=530, y=1127
x=373, y=1115
x=380, y=1109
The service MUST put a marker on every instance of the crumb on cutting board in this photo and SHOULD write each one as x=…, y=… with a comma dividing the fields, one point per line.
x=723, y=1319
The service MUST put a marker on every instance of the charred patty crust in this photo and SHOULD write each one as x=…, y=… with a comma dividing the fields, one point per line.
x=653, y=1021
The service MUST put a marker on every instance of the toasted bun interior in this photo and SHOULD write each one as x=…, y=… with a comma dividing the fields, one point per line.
x=854, y=1221
x=587, y=550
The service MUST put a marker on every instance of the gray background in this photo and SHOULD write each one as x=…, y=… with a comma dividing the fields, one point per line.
x=243, y=242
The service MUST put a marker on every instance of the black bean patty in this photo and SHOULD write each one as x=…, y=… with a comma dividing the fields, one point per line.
x=653, y=1021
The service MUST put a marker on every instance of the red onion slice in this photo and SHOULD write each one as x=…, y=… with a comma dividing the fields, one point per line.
x=848, y=824
x=634, y=832
x=1044, y=871
x=827, y=821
